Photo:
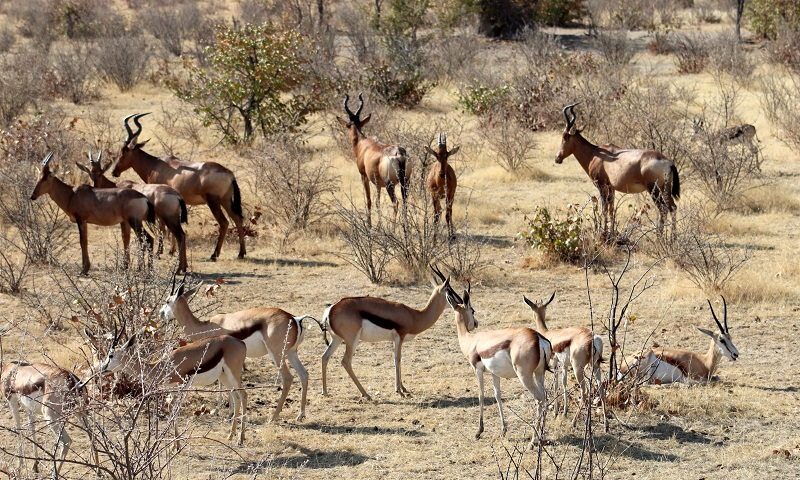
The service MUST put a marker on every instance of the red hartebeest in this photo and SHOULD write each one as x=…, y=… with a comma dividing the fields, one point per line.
x=98, y=206
x=198, y=183
x=442, y=181
x=383, y=165
x=170, y=208
x=613, y=169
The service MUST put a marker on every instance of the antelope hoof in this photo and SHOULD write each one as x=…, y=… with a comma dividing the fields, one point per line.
x=241, y=255
x=36, y=467
x=274, y=419
x=366, y=398
x=478, y=434
x=503, y=432
x=300, y=417
x=213, y=258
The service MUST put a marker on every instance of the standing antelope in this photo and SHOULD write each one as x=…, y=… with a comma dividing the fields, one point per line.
x=442, y=181
x=511, y=352
x=48, y=391
x=263, y=330
x=97, y=206
x=666, y=365
x=623, y=170
x=369, y=319
x=169, y=205
x=577, y=347
x=743, y=134
x=202, y=363
x=383, y=165
x=198, y=183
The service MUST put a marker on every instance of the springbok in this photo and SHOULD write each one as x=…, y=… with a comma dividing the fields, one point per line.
x=622, y=170
x=511, y=352
x=442, y=181
x=97, y=206
x=665, y=365
x=369, y=319
x=263, y=330
x=198, y=183
x=383, y=165
x=743, y=134
x=202, y=363
x=50, y=392
x=577, y=347
x=169, y=205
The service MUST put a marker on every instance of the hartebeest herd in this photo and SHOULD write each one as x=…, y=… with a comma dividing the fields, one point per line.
x=217, y=348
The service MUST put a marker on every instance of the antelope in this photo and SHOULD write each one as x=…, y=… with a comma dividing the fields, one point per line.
x=202, y=363
x=511, y=352
x=169, y=205
x=442, y=181
x=622, y=170
x=743, y=134
x=383, y=165
x=665, y=365
x=577, y=347
x=97, y=206
x=198, y=183
x=50, y=392
x=353, y=320
x=263, y=330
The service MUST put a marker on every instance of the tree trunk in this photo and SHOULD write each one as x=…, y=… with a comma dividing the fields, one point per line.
x=739, y=13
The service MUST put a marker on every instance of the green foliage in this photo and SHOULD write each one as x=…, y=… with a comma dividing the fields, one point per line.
x=561, y=238
x=251, y=72
x=482, y=100
x=559, y=12
x=766, y=17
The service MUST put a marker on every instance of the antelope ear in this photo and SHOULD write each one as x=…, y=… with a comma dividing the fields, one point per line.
x=530, y=304
x=131, y=341
x=342, y=121
x=180, y=291
x=141, y=145
x=365, y=121
x=108, y=165
x=89, y=335
x=454, y=150
x=83, y=168
x=430, y=150
x=707, y=332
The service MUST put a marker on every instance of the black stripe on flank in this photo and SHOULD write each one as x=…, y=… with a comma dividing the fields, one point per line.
x=246, y=332
x=209, y=363
x=377, y=320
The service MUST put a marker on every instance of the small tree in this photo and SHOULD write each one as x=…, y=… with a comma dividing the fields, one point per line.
x=250, y=70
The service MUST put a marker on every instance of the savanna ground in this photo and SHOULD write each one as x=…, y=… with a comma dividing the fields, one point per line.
x=744, y=425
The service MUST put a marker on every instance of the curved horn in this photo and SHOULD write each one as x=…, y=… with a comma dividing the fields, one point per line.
x=567, y=110
x=139, y=125
x=91, y=160
x=47, y=159
x=725, y=313
x=128, y=127
x=345, y=105
x=714, y=315
x=361, y=103
x=172, y=288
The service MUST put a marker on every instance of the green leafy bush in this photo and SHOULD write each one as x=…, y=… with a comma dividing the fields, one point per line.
x=481, y=100
x=562, y=238
x=766, y=17
x=559, y=12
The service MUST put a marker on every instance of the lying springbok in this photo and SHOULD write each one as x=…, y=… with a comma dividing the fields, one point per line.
x=665, y=365
x=511, y=352
x=383, y=165
x=170, y=208
x=442, y=181
x=199, y=183
x=613, y=169
x=202, y=363
x=369, y=319
x=577, y=347
x=98, y=206
x=743, y=134
x=263, y=330
x=52, y=393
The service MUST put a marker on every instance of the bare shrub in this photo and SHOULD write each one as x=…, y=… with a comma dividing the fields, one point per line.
x=726, y=55
x=36, y=20
x=74, y=72
x=15, y=263
x=8, y=37
x=779, y=98
x=21, y=83
x=122, y=59
x=509, y=145
x=172, y=25
x=785, y=49
x=366, y=252
x=447, y=56
x=294, y=188
x=661, y=44
x=691, y=52
x=615, y=47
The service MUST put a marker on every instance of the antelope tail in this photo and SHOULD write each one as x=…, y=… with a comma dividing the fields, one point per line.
x=676, y=183
x=184, y=211
x=321, y=326
x=151, y=213
x=546, y=352
x=236, y=205
x=597, y=350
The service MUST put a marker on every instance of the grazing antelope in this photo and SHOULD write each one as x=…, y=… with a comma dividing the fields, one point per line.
x=442, y=181
x=169, y=205
x=666, y=365
x=577, y=347
x=508, y=353
x=383, y=165
x=622, y=170
x=50, y=392
x=744, y=134
x=97, y=206
x=353, y=320
x=202, y=363
x=263, y=330
x=198, y=183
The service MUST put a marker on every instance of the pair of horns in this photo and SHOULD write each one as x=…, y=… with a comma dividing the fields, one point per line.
x=95, y=160
x=131, y=135
x=47, y=159
x=353, y=116
x=570, y=110
x=533, y=304
x=450, y=291
x=724, y=315
x=442, y=139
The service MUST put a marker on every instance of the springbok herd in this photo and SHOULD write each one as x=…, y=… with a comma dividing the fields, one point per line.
x=218, y=347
